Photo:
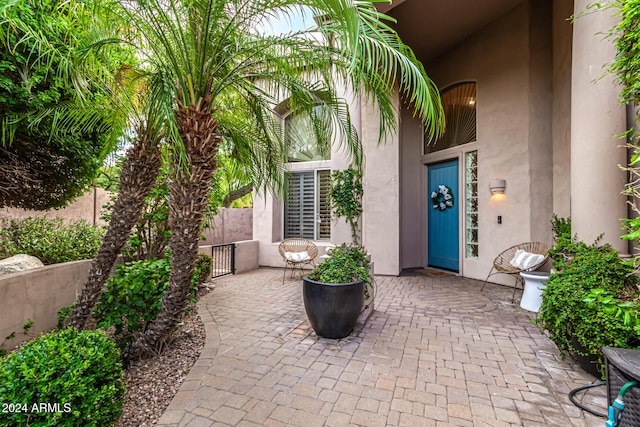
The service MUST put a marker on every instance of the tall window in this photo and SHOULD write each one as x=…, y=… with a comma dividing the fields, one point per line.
x=306, y=210
x=300, y=136
x=459, y=104
x=471, y=194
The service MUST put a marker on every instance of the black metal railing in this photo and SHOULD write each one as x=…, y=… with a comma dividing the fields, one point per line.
x=224, y=260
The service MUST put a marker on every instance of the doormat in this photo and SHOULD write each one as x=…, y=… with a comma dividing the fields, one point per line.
x=433, y=272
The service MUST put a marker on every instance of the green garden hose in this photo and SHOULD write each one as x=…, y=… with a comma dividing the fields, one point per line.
x=615, y=410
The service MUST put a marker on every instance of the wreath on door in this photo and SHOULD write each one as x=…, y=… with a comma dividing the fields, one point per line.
x=443, y=198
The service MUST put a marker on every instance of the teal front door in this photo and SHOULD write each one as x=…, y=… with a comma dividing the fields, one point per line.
x=442, y=215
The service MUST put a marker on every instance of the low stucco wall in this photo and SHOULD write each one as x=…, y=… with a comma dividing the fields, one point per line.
x=247, y=255
x=38, y=294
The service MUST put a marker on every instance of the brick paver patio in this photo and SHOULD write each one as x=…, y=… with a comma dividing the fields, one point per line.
x=435, y=352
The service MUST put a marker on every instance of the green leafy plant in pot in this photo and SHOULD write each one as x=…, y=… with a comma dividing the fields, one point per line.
x=591, y=301
x=334, y=292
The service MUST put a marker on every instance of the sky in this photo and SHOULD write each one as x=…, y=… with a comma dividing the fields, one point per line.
x=296, y=20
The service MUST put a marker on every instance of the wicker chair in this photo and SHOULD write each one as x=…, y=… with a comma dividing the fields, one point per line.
x=288, y=248
x=502, y=263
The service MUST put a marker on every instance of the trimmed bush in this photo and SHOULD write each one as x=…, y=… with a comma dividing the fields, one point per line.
x=51, y=240
x=203, y=268
x=64, y=378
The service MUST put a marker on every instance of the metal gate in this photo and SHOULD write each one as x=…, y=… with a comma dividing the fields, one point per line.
x=224, y=260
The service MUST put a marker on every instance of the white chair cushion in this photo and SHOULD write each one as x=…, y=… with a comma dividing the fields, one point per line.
x=297, y=256
x=524, y=260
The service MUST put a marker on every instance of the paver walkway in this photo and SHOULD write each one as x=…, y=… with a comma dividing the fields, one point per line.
x=435, y=352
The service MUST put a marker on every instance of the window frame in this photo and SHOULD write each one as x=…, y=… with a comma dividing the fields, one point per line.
x=317, y=194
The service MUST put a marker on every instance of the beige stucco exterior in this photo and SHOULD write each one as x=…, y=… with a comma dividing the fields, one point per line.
x=514, y=128
x=596, y=118
x=546, y=123
x=228, y=225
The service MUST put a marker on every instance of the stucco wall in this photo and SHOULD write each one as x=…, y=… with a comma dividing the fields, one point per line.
x=381, y=201
x=412, y=187
x=38, y=294
x=510, y=61
x=230, y=225
x=597, y=117
x=87, y=207
x=246, y=255
x=562, y=38
x=540, y=120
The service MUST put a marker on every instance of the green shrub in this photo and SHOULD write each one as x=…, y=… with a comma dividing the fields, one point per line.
x=65, y=378
x=203, y=268
x=346, y=264
x=584, y=301
x=560, y=226
x=133, y=297
x=51, y=240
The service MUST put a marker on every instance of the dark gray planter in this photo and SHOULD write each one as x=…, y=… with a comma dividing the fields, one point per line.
x=588, y=363
x=332, y=309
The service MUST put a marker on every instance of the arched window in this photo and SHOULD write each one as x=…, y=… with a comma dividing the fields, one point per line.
x=459, y=104
x=300, y=138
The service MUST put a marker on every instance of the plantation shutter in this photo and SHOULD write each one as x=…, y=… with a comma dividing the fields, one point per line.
x=324, y=211
x=307, y=212
x=300, y=206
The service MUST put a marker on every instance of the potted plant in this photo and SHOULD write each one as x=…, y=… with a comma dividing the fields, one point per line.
x=337, y=289
x=334, y=291
x=591, y=301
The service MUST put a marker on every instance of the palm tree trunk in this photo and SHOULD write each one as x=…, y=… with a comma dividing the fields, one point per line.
x=189, y=198
x=138, y=176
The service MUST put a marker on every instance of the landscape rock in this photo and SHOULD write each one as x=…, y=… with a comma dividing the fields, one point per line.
x=18, y=263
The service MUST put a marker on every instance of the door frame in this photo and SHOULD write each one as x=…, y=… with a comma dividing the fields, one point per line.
x=452, y=153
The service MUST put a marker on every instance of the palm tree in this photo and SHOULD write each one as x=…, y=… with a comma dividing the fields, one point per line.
x=218, y=76
x=140, y=169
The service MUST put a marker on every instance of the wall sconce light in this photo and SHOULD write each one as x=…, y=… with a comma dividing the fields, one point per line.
x=497, y=186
